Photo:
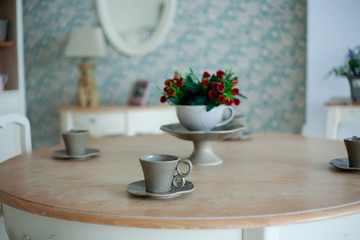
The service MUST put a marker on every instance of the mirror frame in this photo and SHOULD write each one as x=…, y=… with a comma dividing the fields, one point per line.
x=155, y=40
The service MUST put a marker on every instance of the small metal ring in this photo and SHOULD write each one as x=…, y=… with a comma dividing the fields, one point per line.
x=176, y=182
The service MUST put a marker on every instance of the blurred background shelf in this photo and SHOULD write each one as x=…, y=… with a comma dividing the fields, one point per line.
x=12, y=99
x=7, y=44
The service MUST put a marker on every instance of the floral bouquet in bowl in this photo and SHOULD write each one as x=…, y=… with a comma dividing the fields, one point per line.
x=200, y=102
x=351, y=70
x=210, y=90
x=351, y=67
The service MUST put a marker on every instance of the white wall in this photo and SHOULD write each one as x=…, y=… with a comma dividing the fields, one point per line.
x=333, y=27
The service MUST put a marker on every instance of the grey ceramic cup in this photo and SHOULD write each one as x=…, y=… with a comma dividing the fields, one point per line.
x=159, y=172
x=75, y=141
x=353, y=149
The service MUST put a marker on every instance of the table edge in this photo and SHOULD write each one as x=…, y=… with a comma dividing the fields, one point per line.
x=244, y=222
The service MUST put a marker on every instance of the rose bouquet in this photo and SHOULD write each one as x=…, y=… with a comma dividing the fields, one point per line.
x=210, y=90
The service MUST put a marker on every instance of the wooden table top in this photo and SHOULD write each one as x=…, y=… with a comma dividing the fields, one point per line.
x=341, y=102
x=272, y=179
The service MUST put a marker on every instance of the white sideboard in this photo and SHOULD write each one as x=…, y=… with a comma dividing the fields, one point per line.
x=106, y=121
x=341, y=111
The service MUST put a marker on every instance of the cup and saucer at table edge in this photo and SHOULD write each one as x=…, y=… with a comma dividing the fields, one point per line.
x=352, y=162
x=75, y=146
x=163, y=177
x=343, y=164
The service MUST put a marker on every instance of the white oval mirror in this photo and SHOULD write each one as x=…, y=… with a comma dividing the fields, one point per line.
x=136, y=27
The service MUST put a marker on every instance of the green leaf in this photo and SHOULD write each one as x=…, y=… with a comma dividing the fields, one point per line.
x=213, y=79
x=242, y=96
x=200, y=100
x=209, y=107
x=194, y=78
x=174, y=101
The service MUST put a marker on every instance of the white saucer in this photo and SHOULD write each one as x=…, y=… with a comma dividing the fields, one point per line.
x=343, y=164
x=138, y=189
x=242, y=135
x=90, y=152
x=218, y=133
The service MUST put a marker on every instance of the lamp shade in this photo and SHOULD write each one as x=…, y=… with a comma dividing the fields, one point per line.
x=86, y=43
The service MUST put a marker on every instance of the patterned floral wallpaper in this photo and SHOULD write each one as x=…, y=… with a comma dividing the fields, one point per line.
x=263, y=41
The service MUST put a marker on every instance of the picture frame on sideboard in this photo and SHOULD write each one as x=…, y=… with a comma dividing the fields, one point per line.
x=140, y=93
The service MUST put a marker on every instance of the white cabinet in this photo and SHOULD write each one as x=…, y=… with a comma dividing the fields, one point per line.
x=12, y=99
x=341, y=111
x=149, y=120
x=100, y=123
x=105, y=121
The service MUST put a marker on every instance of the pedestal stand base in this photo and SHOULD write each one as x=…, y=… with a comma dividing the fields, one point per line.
x=203, y=154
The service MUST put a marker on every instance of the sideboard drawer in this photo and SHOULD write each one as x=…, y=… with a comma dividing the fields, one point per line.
x=106, y=121
x=149, y=121
x=100, y=124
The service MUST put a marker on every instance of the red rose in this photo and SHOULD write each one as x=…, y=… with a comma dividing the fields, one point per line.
x=179, y=82
x=221, y=98
x=171, y=92
x=176, y=76
x=237, y=102
x=229, y=101
x=220, y=74
x=220, y=87
x=167, y=82
x=206, y=75
x=214, y=85
x=234, y=82
x=235, y=91
x=163, y=99
x=204, y=82
x=212, y=94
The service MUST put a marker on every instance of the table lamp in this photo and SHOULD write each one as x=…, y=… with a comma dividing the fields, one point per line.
x=86, y=43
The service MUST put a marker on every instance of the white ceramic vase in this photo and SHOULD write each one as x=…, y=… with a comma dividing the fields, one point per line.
x=196, y=118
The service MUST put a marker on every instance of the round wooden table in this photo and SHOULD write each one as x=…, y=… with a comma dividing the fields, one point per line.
x=269, y=180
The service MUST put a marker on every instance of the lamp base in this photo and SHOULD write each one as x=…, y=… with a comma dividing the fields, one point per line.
x=87, y=94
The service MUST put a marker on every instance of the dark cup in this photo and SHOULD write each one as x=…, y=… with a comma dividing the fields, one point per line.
x=353, y=149
x=75, y=141
x=159, y=172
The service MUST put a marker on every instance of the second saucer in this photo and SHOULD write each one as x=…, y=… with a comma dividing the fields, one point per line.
x=343, y=164
x=89, y=152
x=138, y=189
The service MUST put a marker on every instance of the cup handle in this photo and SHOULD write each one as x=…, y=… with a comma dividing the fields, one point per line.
x=232, y=114
x=179, y=180
x=186, y=161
